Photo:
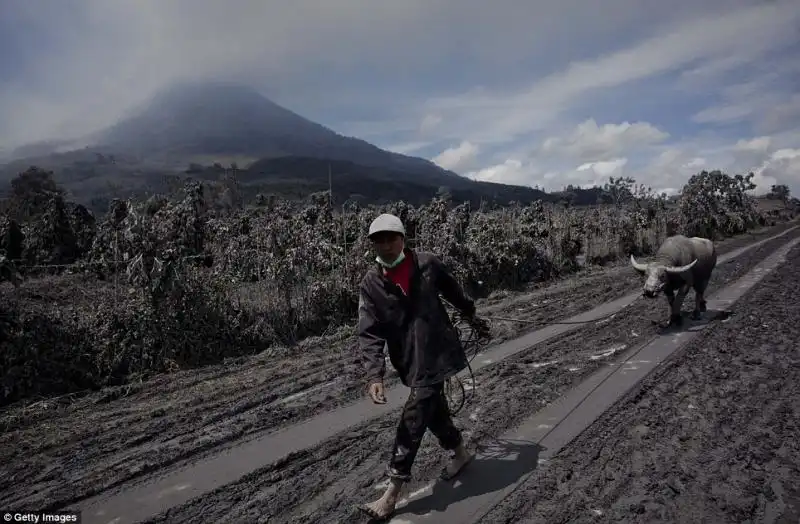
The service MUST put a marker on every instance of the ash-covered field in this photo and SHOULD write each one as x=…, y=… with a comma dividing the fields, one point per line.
x=54, y=454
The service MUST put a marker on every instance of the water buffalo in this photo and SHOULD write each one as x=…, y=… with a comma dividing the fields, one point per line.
x=680, y=263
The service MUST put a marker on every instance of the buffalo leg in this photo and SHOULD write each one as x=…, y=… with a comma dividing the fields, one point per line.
x=699, y=298
x=677, y=303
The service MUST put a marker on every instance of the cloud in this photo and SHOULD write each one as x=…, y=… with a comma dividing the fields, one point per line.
x=758, y=155
x=782, y=167
x=672, y=167
x=690, y=57
x=586, y=159
x=492, y=115
x=429, y=123
x=461, y=158
x=511, y=171
x=604, y=169
x=782, y=115
x=592, y=142
x=761, y=143
x=666, y=76
x=407, y=147
x=98, y=57
x=767, y=101
x=726, y=113
x=79, y=66
x=752, y=152
x=586, y=155
x=592, y=173
x=518, y=91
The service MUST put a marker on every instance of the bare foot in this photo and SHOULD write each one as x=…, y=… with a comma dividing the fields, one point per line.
x=383, y=508
x=379, y=510
x=461, y=458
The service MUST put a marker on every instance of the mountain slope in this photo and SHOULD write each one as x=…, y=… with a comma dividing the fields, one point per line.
x=204, y=123
x=226, y=119
x=298, y=176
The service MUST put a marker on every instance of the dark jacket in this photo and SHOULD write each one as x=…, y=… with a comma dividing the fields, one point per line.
x=424, y=346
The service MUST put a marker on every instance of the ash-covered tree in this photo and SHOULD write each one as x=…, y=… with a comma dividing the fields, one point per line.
x=715, y=204
x=31, y=192
x=625, y=190
x=779, y=192
x=11, y=238
x=619, y=189
x=50, y=240
x=84, y=227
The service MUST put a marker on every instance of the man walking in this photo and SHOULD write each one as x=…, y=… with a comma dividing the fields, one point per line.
x=399, y=306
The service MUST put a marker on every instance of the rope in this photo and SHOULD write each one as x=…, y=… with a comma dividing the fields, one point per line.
x=565, y=322
x=473, y=340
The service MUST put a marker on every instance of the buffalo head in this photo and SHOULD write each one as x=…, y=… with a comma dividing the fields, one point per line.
x=656, y=274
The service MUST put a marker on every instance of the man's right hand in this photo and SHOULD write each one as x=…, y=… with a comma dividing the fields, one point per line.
x=376, y=393
x=481, y=326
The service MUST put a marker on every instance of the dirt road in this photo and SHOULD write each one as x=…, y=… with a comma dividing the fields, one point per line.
x=55, y=453
x=711, y=437
x=322, y=483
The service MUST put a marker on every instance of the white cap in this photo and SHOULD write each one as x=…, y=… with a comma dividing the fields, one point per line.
x=387, y=222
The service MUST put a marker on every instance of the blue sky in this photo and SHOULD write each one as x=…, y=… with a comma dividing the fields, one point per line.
x=527, y=92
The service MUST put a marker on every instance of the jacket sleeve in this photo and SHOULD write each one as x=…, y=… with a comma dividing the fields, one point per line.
x=370, y=337
x=451, y=290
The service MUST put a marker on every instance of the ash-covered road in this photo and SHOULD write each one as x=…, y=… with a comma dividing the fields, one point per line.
x=713, y=436
x=322, y=483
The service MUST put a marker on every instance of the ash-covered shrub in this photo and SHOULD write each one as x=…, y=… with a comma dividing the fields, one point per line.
x=716, y=205
x=186, y=281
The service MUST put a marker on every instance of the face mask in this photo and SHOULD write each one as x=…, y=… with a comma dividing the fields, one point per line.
x=388, y=265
